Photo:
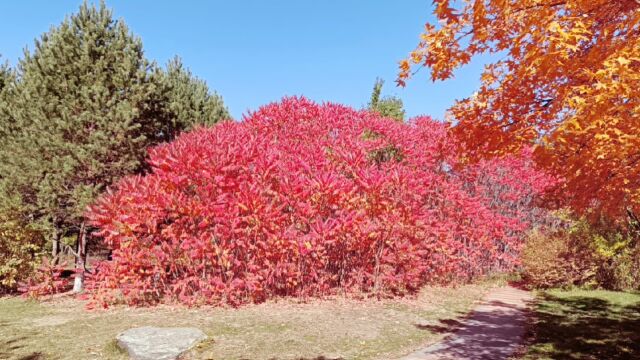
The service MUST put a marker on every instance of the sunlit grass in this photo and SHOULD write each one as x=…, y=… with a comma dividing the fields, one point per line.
x=335, y=328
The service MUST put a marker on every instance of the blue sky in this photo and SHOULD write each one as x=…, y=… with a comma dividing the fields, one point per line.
x=254, y=52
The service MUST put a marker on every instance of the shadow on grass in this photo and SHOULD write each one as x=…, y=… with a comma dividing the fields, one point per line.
x=492, y=331
x=578, y=327
x=444, y=326
x=34, y=356
x=8, y=347
x=11, y=344
x=315, y=358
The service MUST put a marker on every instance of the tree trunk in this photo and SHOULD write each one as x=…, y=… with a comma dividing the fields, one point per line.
x=81, y=259
x=55, y=247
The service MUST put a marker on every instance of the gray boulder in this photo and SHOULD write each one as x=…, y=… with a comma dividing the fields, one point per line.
x=152, y=343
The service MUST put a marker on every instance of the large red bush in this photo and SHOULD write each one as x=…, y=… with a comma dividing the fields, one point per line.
x=302, y=199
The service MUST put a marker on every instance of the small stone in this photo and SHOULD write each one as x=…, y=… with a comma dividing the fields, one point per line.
x=152, y=343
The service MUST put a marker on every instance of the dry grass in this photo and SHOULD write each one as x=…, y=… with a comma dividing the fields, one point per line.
x=335, y=328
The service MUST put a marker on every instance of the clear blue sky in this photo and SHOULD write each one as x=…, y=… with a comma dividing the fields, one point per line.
x=255, y=52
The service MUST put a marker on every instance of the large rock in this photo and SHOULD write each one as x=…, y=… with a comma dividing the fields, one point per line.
x=152, y=343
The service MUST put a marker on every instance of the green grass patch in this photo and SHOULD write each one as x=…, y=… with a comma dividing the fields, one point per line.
x=586, y=324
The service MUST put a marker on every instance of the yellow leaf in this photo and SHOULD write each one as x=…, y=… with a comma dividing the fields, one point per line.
x=623, y=61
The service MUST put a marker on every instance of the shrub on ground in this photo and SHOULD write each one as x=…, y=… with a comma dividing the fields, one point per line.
x=20, y=249
x=559, y=258
x=581, y=254
x=302, y=199
x=48, y=279
x=620, y=265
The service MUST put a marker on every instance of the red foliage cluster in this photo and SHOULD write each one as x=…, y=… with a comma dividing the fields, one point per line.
x=47, y=280
x=302, y=199
x=510, y=186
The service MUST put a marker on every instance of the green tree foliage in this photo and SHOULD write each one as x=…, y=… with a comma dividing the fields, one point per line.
x=7, y=77
x=389, y=106
x=79, y=113
x=7, y=84
x=20, y=244
x=85, y=107
x=190, y=100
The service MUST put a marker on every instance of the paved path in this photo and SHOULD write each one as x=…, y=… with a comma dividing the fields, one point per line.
x=494, y=330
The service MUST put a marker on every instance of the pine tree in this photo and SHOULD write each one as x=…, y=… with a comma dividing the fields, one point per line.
x=21, y=243
x=84, y=108
x=6, y=76
x=376, y=93
x=190, y=101
x=10, y=200
x=7, y=84
x=389, y=106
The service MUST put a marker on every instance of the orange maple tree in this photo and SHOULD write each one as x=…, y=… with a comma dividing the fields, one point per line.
x=567, y=80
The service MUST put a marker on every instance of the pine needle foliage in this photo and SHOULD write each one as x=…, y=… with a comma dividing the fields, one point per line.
x=79, y=112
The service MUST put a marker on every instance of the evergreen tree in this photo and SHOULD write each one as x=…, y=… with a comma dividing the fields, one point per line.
x=6, y=76
x=10, y=200
x=376, y=93
x=7, y=84
x=389, y=106
x=85, y=106
x=190, y=100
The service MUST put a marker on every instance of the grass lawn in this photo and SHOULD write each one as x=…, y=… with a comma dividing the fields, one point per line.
x=318, y=329
x=586, y=324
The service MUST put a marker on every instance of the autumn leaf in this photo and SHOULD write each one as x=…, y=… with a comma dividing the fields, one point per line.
x=569, y=80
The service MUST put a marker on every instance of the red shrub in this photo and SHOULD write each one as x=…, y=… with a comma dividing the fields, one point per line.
x=47, y=280
x=509, y=186
x=302, y=199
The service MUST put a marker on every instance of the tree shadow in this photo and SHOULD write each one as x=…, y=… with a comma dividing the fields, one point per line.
x=313, y=358
x=586, y=328
x=9, y=347
x=34, y=356
x=11, y=344
x=492, y=331
x=443, y=326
